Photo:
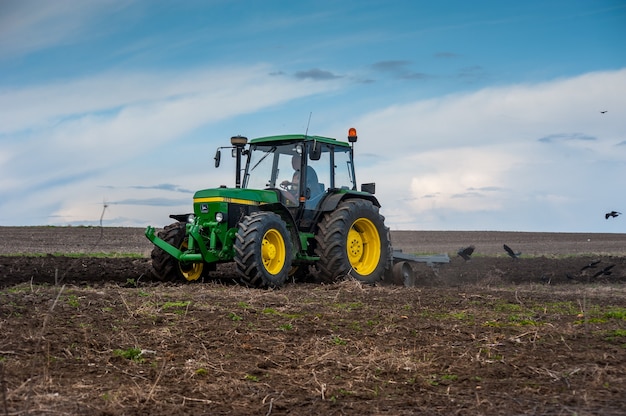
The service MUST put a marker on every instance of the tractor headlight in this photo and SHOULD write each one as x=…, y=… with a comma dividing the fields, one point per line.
x=219, y=216
x=191, y=218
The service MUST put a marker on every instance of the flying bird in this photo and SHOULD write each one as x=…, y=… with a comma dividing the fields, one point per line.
x=611, y=214
x=466, y=252
x=603, y=111
x=606, y=271
x=510, y=252
x=591, y=265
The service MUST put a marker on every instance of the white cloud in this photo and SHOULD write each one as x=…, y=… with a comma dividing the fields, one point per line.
x=462, y=161
x=502, y=114
x=145, y=95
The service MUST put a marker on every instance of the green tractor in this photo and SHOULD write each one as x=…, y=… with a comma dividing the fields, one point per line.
x=295, y=212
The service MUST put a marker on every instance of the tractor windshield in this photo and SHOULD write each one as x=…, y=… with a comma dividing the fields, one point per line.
x=268, y=165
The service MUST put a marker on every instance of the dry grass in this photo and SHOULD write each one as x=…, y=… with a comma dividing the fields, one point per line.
x=340, y=348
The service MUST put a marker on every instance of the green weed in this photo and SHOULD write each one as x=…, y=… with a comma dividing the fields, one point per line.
x=338, y=341
x=348, y=306
x=72, y=300
x=234, y=317
x=462, y=316
x=521, y=320
x=355, y=326
x=617, y=313
x=180, y=304
x=508, y=307
x=133, y=354
x=513, y=321
x=272, y=311
x=615, y=334
x=567, y=308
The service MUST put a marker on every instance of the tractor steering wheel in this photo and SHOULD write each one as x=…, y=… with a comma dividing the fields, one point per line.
x=286, y=185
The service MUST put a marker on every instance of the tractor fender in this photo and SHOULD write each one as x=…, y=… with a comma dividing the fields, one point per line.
x=286, y=215
x=331, y=202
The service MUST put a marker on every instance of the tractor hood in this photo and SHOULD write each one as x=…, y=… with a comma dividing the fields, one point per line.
x=232, y=196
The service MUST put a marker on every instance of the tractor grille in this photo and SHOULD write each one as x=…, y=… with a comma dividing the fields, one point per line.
x=236, y=212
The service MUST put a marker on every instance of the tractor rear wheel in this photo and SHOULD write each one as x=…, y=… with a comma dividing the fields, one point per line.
x=263, y=250
x=167, y=267
x=352, y=240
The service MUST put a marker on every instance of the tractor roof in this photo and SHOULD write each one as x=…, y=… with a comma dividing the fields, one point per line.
x=298, y=138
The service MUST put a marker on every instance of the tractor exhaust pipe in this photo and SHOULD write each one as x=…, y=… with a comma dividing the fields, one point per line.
x=239, y=142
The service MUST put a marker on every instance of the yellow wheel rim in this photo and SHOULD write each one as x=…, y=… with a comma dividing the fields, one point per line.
x=190, y=271
x=273, y=251
x=363, y=246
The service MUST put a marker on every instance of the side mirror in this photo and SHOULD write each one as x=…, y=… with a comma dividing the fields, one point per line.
x=316, y=151
x=218, y=157
x=370, y=188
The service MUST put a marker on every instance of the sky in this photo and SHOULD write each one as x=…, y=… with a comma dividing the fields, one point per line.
x=482, y=115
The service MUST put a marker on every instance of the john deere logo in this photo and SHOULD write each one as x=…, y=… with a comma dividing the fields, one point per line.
x=204, y=208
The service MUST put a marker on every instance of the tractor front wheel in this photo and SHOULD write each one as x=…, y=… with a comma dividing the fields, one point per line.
x=263, y=250
x=167, y=267
x=352, y=240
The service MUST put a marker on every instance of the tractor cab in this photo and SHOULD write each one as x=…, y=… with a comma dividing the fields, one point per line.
x=303, y=168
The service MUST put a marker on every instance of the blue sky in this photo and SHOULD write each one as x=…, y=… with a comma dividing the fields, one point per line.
x=482, y=115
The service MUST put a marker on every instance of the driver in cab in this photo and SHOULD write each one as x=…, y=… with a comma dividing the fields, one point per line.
x=292, y=187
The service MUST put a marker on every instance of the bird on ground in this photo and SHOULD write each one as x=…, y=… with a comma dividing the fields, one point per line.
x=611, y=214
x=591, y=265
x=510, y=252
x=466, y=252
x=606, y=271
x=603, y=111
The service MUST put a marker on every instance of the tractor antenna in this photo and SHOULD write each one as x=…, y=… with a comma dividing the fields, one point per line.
x=307, y=124
x=307, y=131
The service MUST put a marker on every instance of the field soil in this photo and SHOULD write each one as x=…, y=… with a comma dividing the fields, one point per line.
x=86, y=329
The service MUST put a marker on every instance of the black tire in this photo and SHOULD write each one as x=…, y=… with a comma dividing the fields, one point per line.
x=352, y=240
x=263, y=250
x=165, y=266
